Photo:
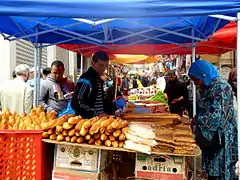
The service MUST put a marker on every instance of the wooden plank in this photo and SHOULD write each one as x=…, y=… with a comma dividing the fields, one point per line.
x=197, y=150
x=86, y=145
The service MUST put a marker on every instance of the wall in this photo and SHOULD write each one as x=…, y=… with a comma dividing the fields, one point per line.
x=6, y=65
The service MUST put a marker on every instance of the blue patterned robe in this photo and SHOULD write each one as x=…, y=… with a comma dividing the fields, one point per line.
x=215, y=102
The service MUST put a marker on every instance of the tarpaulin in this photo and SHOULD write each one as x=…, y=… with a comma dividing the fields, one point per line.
x=133, y=59
x=222, y=41
x=118, y=31
x=117, y=8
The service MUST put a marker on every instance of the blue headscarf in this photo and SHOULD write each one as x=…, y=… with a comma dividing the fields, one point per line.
x=204, y=71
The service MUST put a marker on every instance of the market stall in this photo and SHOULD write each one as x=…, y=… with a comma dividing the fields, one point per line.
x=163, y=135
x=45, y=30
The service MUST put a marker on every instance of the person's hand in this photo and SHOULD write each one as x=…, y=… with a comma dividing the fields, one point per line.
x=237, y=170
x=175, y=101
x=118, y=113
x=193, y=123
x=166, y=96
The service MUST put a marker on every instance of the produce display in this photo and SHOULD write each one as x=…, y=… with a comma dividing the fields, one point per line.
x=158, y=97
x=108, y=131
x=133, y=97
x=33, y=121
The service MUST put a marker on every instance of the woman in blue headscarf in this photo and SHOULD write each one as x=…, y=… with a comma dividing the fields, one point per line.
x=216, y=122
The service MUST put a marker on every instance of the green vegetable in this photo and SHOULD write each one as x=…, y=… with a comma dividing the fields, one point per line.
x=158, y=97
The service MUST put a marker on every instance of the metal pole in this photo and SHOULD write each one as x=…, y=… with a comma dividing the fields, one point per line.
x=81, y=65
x=35, y=100
x=39, y=73
x=194, y=103
x=238, y=82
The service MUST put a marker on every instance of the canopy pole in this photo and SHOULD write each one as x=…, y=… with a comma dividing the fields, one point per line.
x=35, y=97
x=81, y=64
x=39, y=72
x=194, y=102
x=35, y=94
x=238, y=82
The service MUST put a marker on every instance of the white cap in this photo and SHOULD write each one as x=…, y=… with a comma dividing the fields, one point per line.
x=33, y=69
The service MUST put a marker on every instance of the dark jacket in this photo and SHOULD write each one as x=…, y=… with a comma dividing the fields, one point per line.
x=85, y=94
x=135, y=85
x=145, y=82
x=174, y=90
x=125, y=83
x=110, y=106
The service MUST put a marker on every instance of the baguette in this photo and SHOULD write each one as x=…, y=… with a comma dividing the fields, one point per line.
x=71, y=132
x=65, y=133
x=97, y=136
x=88, y=137
x=103, y=137
x=73, y=139
x=67, y=126
x=117, y=133
x=79, y=125
x=95, y=128
x=115, y=144
x=60, y=137
x=122, y=137
x=73, y=120
x=98, y=142
x=80, y=140
x=91, y=141
x=108, y=143
x=107, y=122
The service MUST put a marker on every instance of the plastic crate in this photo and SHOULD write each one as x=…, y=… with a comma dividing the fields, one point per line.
x=20, y=155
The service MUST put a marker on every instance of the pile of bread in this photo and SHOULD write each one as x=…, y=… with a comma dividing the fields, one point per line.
x=35, y=120
x=108, y=131
x=174, y=137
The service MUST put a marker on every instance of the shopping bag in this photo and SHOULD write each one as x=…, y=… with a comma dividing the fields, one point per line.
x=120, y=103
x=67, y=110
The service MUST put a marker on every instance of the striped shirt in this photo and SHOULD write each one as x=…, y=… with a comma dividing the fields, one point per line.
x=98, y=105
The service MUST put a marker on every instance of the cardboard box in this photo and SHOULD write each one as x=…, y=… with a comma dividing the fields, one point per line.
x=66, y=174
x=160, y=167
x=79, y=158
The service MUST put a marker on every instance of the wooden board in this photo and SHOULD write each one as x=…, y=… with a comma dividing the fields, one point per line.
x=86, y=145
x=150, y=117
x=197, y=150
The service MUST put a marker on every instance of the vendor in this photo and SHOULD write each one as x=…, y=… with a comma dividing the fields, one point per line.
x=88, y=98
x=176, y=93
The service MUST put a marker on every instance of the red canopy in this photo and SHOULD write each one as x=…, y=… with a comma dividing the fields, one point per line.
x=221, y=42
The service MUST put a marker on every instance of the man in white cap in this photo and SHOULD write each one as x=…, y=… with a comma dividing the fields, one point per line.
x=17, y=95
x=31, y=77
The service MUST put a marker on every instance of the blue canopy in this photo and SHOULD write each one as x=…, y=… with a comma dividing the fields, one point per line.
x=171, y=30
x=117, y=8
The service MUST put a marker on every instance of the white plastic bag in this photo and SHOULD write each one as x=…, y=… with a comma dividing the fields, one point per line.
x=137, y=147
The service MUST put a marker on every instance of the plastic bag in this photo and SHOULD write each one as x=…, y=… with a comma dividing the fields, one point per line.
x=143, y=130
x=67, y=110
x=137, y=147
x=140, y=140
x=120, y=103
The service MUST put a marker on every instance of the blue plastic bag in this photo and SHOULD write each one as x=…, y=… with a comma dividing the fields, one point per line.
x=67, y=110
x=120, y=103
